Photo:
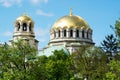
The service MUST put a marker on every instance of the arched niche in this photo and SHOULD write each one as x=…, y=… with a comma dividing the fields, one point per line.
x=77, y=33
x=65, y=32
x=30, y=27
x=59, y=33
x=71, y=32
x=18, y=26
x=24, y=27
x=83, y=33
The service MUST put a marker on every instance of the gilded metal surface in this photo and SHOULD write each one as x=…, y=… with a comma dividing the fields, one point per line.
x=24, y=17
x=70, y=21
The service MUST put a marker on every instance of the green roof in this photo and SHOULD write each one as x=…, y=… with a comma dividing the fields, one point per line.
x=49, y=51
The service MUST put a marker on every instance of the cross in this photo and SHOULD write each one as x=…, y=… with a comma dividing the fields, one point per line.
x=71, y=11
x=24, y=13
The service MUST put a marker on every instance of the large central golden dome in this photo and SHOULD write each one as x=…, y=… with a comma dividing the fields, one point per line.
x=70, y=21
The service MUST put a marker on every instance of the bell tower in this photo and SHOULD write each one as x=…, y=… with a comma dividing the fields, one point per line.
x=24, y=29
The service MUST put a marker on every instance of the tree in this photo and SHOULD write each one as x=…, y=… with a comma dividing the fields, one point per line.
x=16, y=60
x=117, y=31
x=114, y=71
x=110, y=45
x=90, y=62
x=19, y=62
x=59, y=66
x=114, y=65
x=117, y=28
x=38, y=70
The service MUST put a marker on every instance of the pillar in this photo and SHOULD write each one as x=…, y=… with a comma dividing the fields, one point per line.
x=74, y=33
x=67, y=33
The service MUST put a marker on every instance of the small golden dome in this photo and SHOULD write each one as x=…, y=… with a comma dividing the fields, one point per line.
x=70, y=21
x=24, y=17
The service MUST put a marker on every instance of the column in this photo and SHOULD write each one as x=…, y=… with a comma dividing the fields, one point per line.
x=21, y=26
x=61, y=33
x=32, y=29
x=67, y=33
x=53, y=35
x=56, y=34
x=91, y=35
x=80, y=34
x=28, y=27
x=74, y=33
x=85, y=34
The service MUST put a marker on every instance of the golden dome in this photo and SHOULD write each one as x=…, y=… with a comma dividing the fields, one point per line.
x=24, y=17
x=71, y=21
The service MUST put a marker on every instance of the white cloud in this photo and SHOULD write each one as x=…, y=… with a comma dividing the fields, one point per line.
x=42, y=40
x=40, y=32
x=42, y=35
x=6, y=4
x=42, y=13
x=8, y=33
x=38, y=1
x=9, y=3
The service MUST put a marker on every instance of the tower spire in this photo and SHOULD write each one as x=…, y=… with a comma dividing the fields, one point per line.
x=24, y=13
x=71, y=11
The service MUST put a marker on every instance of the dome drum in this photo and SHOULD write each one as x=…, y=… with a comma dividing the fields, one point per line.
x=24, y=24
x=16, y=23
x=71, y=33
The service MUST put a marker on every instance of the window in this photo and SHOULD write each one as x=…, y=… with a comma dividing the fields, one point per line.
x=64, y=33
x=24, y=27
x=30, y=27
x=59, y=33
x=71, y=33
x=83, y=34
x=87, y=35
x=77, y=33
x=18, y=26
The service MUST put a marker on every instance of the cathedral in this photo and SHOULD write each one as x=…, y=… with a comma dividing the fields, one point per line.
x=68, y=33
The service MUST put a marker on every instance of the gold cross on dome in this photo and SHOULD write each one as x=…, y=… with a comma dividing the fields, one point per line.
x=71, y=11
x=24, y=13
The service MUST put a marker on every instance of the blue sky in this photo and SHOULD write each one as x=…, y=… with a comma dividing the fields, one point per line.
x=99, y=14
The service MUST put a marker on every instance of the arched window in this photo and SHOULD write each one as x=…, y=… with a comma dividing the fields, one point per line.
x=77, y=33
x=18, y=26
x=83, y=34
x=30, y=27
x=24, y=27
x=87, y=35
x=54, y=34
x=59, y=33
x=71, y=33
x=64, y=33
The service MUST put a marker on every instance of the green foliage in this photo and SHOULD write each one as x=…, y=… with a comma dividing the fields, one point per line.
x=19, y=62
x=114, y=72
x=110, y=45
x=58, y=66
x=38, y=70
x=16, y=60
x=114, y=65
x=117, y=31
x=90, y=62
x=117, y=27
